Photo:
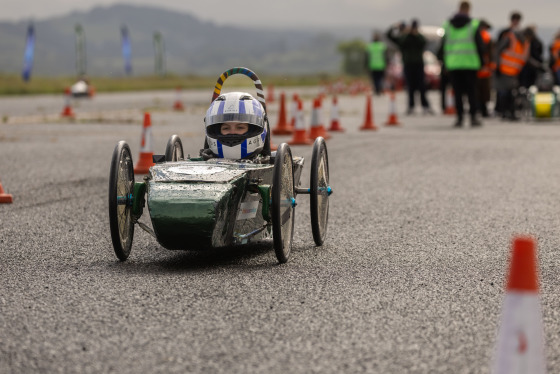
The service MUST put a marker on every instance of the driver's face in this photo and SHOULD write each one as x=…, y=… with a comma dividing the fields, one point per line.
x=236, y=128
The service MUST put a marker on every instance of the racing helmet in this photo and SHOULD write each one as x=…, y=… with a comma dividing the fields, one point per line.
x=236, y=107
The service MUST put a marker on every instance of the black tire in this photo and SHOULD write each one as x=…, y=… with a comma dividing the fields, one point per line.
x=121, y=187
x=174, y=149
x=283, y=203
x=319, y=193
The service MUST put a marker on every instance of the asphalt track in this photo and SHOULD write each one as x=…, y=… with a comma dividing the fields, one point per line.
x=410, y=279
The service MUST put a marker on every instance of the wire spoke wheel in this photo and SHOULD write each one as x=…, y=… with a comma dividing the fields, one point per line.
x=121, y=184
x=283, y=203
x=174, y=149
x=319, y=191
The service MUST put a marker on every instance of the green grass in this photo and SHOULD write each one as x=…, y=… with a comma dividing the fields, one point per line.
x=11, y=84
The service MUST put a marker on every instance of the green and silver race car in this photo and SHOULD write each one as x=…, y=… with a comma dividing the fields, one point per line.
x=196, y=204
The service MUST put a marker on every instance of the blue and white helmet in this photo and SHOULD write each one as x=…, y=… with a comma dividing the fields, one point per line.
x=236, y=107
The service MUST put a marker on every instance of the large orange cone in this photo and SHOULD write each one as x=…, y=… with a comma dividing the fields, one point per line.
x=449, y=102
x=294, y=111
x=392, y=120
x=300, y=135
x=368, y=121
x=282, y=128
x=4, y=197
x=178, y=104
x=520, y=347
x=270, y=96
x=145, y=161
x=67, y=110
x=335, y=117
x=317, y=128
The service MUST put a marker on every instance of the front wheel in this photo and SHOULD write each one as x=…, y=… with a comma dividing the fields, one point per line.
x=319, y=191
x=174, y=149
x=283, y=203
x=121, y=185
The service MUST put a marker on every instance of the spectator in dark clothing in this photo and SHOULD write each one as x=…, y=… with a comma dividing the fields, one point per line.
x=528, y=75
x=484, y=74
x=514, y=24
x=412, y=45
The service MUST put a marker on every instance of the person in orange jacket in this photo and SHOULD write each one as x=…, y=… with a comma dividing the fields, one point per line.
x=555, y=58
x=483, y=83
x=514, y=26
x=512, y=53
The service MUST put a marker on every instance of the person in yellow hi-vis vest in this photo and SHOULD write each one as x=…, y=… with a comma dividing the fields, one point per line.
x=462, y=52
x=377, y=62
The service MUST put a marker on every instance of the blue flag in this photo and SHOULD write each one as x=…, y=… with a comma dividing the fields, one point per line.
x=28, y=54
x=126, y=50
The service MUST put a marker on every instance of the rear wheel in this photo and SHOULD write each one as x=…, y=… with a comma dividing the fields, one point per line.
x=121, y=185
x=283, y=203
x=319, y=191
x=174, y=149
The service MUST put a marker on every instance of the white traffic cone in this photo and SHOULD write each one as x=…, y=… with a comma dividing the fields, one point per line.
x=145, y=161
x=520, y=346
x=300, y=134
x=335, y=117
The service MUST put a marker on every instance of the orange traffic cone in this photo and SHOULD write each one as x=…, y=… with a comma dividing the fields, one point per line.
x=368, y=122
x=282, y=127
x=145, y=161
x=300, y=135
x=392, y=120
x=178, y=105
x=335, y=120
x=294, y=111
x=449, y=102
x=520, y=347
x=67, y=110
x=317, y=128
x=270, y=95
x=4, y=197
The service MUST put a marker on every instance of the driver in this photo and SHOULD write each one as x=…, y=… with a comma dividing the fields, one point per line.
x=236, y=128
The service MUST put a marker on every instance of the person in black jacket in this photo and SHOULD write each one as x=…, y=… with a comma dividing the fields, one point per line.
x=528, y=75
x=412, y=44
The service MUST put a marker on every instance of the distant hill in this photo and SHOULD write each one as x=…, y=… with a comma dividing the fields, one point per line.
x=192, y=46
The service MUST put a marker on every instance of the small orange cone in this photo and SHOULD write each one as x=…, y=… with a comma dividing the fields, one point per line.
x=300, y=135
x=520, y=347
x=449, y=102
x=145, y=161
x=178, y=105
x=317, y=128
x=392, y=120
x=335, y=118
x=282, y=127
x=67, y=110
x=4, y=197
x=368, y=122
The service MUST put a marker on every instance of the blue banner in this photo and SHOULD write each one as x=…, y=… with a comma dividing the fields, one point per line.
x=28, y=54
x=126, y=50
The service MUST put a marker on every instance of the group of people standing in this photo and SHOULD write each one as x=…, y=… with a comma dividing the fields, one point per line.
x=470, y=60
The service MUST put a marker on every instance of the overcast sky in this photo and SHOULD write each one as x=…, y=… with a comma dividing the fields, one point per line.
x=306, y=13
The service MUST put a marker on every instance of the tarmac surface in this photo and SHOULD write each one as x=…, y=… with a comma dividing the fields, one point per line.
x=409, y=280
